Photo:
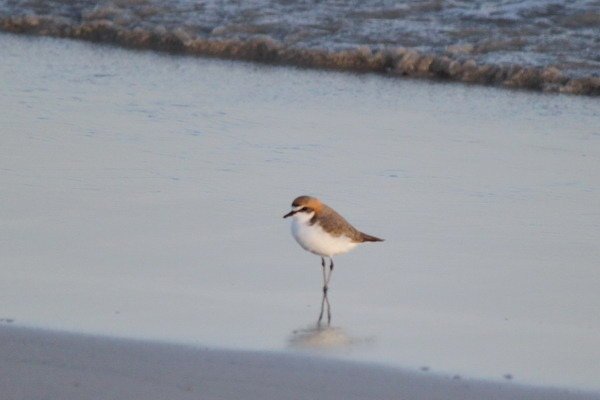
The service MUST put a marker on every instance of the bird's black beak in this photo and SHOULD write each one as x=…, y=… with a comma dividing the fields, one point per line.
x=289, y=214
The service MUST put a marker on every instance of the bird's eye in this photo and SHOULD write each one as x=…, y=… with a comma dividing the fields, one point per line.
x=305, y=209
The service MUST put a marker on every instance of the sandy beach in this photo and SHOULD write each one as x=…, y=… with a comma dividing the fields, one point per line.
x=141, y=204
x=38, y=364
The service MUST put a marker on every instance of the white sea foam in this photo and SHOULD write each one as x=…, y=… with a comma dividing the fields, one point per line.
x=527, y=33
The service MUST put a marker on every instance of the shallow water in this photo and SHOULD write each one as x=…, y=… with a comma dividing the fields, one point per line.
x=544, y=45
x=142, y=196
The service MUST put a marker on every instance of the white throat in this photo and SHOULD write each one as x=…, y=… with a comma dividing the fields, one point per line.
x=302, y=217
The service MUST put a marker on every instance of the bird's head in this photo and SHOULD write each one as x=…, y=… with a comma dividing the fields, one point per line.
x=304, y=207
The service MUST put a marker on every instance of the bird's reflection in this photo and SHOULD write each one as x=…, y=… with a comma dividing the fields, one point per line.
x=324, y=302
x=322, y=334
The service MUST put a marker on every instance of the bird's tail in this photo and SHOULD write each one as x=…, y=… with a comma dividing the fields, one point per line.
x=368, y=238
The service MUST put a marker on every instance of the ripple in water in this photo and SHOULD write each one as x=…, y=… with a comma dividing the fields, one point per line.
x=542, y=45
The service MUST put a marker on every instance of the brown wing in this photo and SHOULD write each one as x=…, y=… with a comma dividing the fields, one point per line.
x=335, y=224
x=369, y=238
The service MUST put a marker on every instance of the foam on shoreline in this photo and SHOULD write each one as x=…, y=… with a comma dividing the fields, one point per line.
x=393, y=61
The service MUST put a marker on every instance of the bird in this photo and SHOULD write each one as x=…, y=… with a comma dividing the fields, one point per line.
x=320, y=230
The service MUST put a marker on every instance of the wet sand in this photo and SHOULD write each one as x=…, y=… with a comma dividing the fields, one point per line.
x=142, y=196
x=44, y=364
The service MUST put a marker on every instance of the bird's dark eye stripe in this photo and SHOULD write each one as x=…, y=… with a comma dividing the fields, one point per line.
x=305, y=209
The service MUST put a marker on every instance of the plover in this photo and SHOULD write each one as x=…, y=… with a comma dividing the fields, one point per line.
x=319, y=229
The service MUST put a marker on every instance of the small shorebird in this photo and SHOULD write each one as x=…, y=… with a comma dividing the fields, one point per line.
x=319, y=229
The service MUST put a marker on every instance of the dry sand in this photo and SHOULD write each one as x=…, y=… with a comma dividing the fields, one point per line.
x=38, y=364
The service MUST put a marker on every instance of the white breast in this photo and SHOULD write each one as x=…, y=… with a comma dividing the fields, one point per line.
x=314, y=239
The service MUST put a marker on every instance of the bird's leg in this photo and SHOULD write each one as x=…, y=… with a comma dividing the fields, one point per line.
x=325, y=280
x=330, y=271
